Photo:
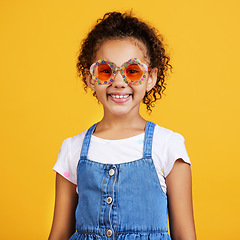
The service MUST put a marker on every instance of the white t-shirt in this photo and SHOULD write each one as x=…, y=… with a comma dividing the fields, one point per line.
x=167, y=147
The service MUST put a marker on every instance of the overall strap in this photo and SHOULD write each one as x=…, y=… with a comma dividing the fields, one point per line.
x=147, y=149
x=86, y=141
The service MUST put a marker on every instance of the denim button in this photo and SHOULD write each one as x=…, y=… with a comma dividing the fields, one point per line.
x=109, y=232
x=111, y=172
x=109, y=200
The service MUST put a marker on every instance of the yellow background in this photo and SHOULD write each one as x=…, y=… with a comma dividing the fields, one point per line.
x=42, y=103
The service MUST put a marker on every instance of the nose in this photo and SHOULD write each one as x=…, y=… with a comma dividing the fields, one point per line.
x=118, y=81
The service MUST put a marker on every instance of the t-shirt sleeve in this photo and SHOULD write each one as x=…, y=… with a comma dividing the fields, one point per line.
x=64, y=165
x=175, y=150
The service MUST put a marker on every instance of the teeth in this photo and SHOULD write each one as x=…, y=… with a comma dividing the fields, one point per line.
x=119, y=96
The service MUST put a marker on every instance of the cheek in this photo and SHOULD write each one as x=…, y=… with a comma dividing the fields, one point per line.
x=139, y=91
x=101, y=91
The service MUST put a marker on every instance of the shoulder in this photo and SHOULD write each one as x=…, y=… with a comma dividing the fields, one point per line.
x=68, y=157
x=71, y=147
x=164, y=135
x=169, y=146
x=73, y=142
x=166, y=141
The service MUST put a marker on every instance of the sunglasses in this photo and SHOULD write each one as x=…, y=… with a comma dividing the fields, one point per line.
x=133, y=71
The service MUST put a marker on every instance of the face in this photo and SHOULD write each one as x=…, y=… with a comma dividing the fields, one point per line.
x=118, y=98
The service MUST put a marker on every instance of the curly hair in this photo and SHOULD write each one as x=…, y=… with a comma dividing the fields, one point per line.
x=116, y=25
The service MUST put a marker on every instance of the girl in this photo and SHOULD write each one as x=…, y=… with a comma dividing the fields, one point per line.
x=130, y=170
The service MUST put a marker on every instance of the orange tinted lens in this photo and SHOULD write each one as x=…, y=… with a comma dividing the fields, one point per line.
x=134, y=72
x=103, y=72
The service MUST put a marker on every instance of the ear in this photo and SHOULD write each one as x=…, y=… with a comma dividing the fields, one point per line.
x=89, y=79
x=152, y=79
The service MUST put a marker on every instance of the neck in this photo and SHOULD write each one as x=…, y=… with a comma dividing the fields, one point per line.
x=115, y=122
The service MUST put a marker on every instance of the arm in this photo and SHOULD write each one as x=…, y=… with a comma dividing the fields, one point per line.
x=179, y=188
x=63, y=225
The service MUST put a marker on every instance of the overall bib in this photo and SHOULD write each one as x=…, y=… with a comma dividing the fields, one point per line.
x=120, y=201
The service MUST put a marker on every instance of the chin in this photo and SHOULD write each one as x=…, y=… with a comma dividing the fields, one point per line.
x=121, y=111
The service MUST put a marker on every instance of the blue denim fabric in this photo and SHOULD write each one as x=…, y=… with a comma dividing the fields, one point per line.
x=138, y=209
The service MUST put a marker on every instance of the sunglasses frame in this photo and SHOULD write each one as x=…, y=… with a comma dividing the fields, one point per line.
x=122, y=69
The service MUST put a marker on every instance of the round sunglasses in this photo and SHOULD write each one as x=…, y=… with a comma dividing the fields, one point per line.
x=133, y=71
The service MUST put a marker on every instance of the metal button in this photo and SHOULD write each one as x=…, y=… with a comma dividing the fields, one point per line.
x=111, y=172
x=109, y=232
x=109, y=200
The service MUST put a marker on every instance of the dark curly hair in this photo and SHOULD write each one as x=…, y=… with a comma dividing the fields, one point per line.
x=116, y=25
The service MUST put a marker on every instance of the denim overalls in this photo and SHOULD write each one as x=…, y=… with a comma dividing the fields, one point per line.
x=120, y=201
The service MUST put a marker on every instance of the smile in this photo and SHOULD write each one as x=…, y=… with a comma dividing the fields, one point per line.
x=120, y=98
